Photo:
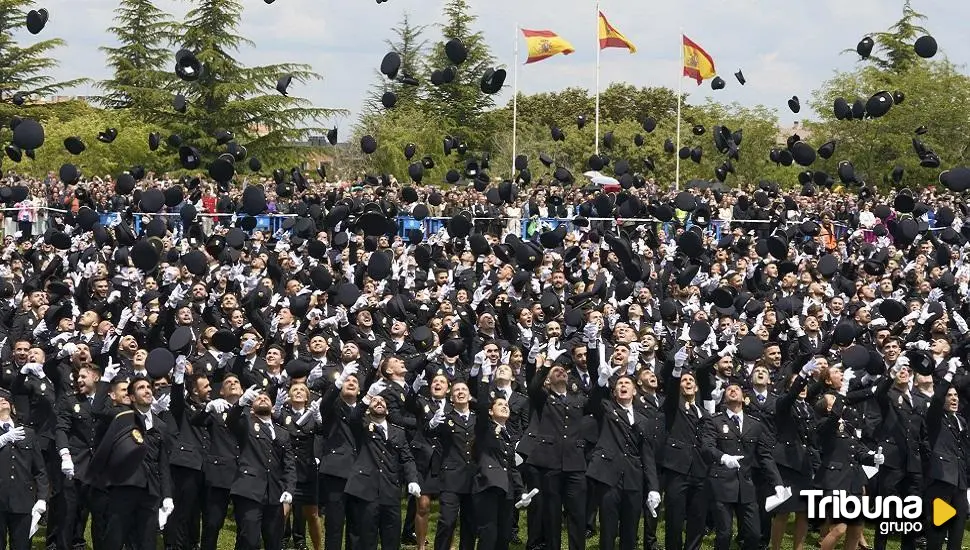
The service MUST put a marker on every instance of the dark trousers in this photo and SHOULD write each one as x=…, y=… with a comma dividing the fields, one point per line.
x=17, y=528
x=294, y=527
x=454, y=506
x=182, y=529
x=686, y=502
x=372, y=520
x=493, y=510
x=561, y=489
x=650, y=529
x=132, y=519
x=214, y=516
x=533, y=518
x=895, y=482
x=255, y=520
x=335, y=513
x=72, y=504
x=98, y=500
x=619, y=515
x=957, y=498
x=408, y=529
x=749, y=525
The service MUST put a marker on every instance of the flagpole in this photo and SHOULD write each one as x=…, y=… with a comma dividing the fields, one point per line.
x=515, y=98
x=597, y=144
x=680, y=87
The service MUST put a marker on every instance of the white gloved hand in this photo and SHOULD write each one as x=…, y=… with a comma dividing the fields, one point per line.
x=414, y=489
x=810, y=368
x=286, y=498
x=249, y=396
x=419, y=382
x=779, y=492
x=248, y=346
x=729, y=350
x=39, y=508
x=921, y=345
x=178, y=373
x=114, y=296
x=168, y=506
x=218, y=406
x=33, y=368
x=67, y=466
x=731, y=461
x=438, y=418
x=67, y=350
x=526, y=499
x=377, y=388
x=553, y=352
x=878, y=459
x=878, y=323
x=653, y=502
x=161, y=403
x=680, y=358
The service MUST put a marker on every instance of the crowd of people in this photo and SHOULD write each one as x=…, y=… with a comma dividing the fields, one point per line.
x=327, y=381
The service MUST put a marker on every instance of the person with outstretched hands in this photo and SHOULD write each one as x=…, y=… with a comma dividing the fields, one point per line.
x=262, y=490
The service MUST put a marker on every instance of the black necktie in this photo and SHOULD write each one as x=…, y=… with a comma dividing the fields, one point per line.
x=737, y=422
x=380, y=431
x=4, y=428
x=761, y=398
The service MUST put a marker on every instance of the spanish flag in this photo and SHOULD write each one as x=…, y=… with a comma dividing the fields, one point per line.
x=612, y=38
x=697, y=63
x=544, y=44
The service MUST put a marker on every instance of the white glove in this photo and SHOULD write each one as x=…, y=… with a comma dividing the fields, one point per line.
x=731, y=461
x=251, y=394
x=247, y=347
x=218, y=406
x=168, y=506
x=780, y=492
x=39, y=508
x=68, y=350
x=553, y=351
x=419, y=382
x=878, y=459
x=438, y=418
x=178, y=374
x=286, y=498
x=111, y=371
x=377, y=388
x=680, y=358
x=114, y=296
x=435, y=353
x=161, y=403
x=921, y=345
x=810, y=368
x=526, y=499
x=878, y=323
x=164, y=512
x=62, y=337
x=33, y=368
x=729, y=349
x=41, y=328
x=935, y=295
x=414, y=489
x=67, y=465
x=653, y=501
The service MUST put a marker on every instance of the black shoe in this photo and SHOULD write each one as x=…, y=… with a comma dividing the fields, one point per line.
x=411, y=539
x=590, y=534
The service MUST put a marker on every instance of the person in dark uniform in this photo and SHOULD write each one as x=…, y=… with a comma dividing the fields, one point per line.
x=24, y=491
x=735, y=445
x=138, y=492
x=219, y=468
x=795, y=456
x=383, y=466
x=946, y=479
x=340, y=410
x=650, y=406
x=842, y=458
x=454, y=426
x=622, y=468
x=560, y=453
x=303, y=420
x=188, y=454
x=76, y=438
x=262, y=491
x=497, y=486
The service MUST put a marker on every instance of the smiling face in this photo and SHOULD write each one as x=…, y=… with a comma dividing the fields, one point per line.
x=625, y=390
x=499, y=410
x=377, y=408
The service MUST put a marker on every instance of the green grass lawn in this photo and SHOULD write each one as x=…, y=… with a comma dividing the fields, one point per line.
x=228, y=534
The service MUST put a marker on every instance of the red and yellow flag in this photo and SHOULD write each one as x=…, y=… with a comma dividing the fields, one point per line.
x=612, y=38
x=697, y=63
x=545, y=44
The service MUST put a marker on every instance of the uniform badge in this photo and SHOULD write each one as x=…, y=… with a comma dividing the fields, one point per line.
x=288, y=420
x=451, y=422
x=43, y=387
x=136, y=435
x=747, y=401
x=77, y=407
x=371, y=427
x=439, y=373
x=265, y=382
x=724, y=428
x=575, y=388
x=225, y=416
x=498, y=430
x=427, y=409
x=256, y=428
x=492, y=394
x=900, y=399
x=841, y=425
x=402, y=396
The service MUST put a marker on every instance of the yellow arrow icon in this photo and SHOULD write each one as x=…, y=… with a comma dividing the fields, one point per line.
x=942, y=512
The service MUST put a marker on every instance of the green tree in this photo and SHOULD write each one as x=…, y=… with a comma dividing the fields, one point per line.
x=393, y=130
x=894, y=47
x=141, y=62
x=25, y=68
x=461, y=104
x=408, y=42
x=230, y=96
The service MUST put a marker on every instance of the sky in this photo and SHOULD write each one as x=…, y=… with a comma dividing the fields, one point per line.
x=784, y=48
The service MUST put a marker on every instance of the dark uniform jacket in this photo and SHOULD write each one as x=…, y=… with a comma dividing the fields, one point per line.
x=77, y=432
x=624, y=455
x=457, y=439
x=265, y=469
x=719, y=436
x=339, y=449
x=23, y=479
x=559, y=443
x=384, y=464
